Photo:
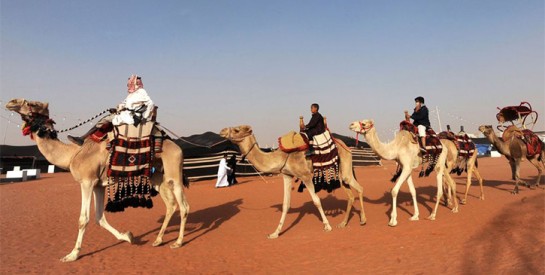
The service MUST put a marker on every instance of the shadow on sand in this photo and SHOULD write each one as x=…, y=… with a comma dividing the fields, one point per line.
x=513, y=242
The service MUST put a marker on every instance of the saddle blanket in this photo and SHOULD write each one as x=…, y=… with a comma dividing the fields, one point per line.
x=130, y=157
x=433, y=143
x=532, y=141
x=292, y=142
x=325, y=154
x=463, y=143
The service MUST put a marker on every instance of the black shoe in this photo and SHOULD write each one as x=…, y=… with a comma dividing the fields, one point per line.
x=423, y=151
x=76, y=140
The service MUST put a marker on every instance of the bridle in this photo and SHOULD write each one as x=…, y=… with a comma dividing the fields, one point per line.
x=36, y=122
x=362, y=130
x=240, y=140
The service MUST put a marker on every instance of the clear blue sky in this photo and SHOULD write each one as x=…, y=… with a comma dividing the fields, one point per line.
x=212, y=64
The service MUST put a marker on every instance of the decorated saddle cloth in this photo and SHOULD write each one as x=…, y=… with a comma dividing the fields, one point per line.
x=325, y=163
x=433, y=143
x=292, y=142
x=129, y=169
x=463, y=142
x=533, y=144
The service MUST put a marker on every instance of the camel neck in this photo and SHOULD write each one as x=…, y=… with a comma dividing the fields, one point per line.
x=501, y=145
x=264, y=162
x=384, y=150
x=56, y=152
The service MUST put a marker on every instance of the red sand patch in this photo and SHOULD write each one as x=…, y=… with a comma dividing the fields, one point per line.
x=227, y=228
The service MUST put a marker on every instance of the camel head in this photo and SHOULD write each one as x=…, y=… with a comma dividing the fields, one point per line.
x=362, y=126
x=35, y=114
x=487, y=130
x=237, y=133
x=28, y=108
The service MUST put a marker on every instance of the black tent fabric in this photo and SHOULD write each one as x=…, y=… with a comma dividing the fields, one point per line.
x=202, y=154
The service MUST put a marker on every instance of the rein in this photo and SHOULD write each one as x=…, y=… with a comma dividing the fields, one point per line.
x=83, y=123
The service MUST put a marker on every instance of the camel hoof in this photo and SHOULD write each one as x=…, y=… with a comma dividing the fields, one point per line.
x=515, y=192
x=482, y=198
x=341, y=225
x=176, y=245
x=392, y=224
x=363, y=221
x=327, y=228
x=130, y=237
x=414, y=218
x=69, y=258
x=463, y=202
x=157, y=243
x=454, y=210
x=431, y=217
x=272, y=236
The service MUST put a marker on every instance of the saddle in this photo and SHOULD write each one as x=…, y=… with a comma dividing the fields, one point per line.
x=534, y=145
x=293, y=142
x=433, y=143
x=463, y=142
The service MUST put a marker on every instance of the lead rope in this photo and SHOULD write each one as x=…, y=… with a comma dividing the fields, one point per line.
x=85, y=122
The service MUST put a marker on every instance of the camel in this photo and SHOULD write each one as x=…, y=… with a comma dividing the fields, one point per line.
x=295, y=166
x=88, y=164
x=407, y=154
x=515, y=150
x=470, y=166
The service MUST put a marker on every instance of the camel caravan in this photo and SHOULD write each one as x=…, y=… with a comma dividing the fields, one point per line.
x=127, y=158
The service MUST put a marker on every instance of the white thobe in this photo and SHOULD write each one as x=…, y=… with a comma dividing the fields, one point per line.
x=133, y=101
x=223, y=170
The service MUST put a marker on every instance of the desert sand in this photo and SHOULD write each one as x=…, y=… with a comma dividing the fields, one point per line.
x=227, y=228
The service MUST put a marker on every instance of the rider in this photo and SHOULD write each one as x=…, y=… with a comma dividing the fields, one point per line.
x=136, y=107
x=421, y=120
x=316, y=124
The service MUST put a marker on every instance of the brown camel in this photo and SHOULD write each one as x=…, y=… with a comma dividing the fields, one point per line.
x=295, y=166
x=514, y=149
x=406, y=152
x=88, y=164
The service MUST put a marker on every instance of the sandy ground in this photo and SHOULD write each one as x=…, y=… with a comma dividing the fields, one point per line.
x=227, y=228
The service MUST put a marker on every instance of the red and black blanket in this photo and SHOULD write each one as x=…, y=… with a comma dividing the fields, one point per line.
x=534, y=145
x=129, y=172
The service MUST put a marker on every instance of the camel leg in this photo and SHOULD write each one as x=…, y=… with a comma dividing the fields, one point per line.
x=413, y=196
x=184, y=210
x=513, y=169
x=393, y=216
x=170, y=203
x=100, y=218
x=452, y=192
x=537, y=164
x=480, y=179
x=439, y=192
x=354, y=184
x=86, y=192
x=348, y=207
x=468, y=184
x=517, y=176
x=285, y=206
x=317, y=203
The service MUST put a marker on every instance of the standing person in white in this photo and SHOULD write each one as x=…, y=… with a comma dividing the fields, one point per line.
x=223, y=171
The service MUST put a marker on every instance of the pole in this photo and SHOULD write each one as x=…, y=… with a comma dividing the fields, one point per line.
x=439, y=119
